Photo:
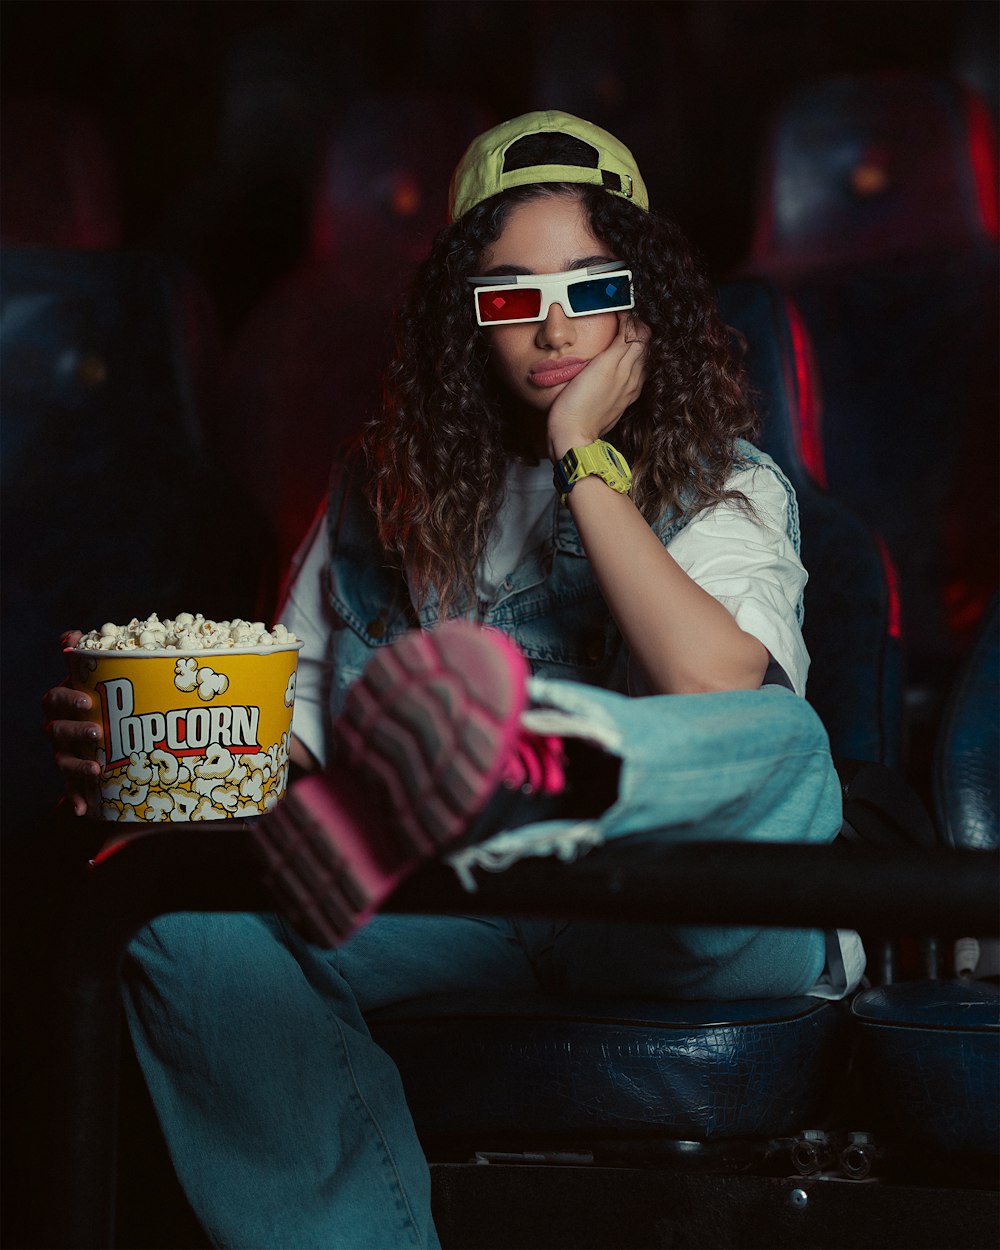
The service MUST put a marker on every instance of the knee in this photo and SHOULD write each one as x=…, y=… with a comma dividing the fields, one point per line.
x=202, y=948
x=793, y=721
x=744, y=963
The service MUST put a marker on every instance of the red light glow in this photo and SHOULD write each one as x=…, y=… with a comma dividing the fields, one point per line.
x=983, y=159
x=894, y=624
x=808, y=430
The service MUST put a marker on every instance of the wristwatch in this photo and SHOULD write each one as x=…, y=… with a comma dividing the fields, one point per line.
x=598, y=458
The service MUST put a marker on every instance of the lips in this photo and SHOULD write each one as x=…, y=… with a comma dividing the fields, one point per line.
x=556, y=372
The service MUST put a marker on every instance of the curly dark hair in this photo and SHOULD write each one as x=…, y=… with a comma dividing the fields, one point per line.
x=439, y=449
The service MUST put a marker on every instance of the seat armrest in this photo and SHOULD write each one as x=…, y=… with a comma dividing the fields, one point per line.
x=881, y=807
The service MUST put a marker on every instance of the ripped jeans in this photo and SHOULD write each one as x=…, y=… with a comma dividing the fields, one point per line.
x=287, y=1125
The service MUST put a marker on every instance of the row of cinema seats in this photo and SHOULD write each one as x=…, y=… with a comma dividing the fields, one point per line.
x=877, y=221
x=722, y=1087
x=877, y=215
x=147, y=463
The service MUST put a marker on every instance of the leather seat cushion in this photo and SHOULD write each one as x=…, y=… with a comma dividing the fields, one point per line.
x=551, y=1068
x=930, y=1057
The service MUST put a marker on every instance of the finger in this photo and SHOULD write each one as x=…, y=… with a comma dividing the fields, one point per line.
x=92, y=796
x=75, y=769
x=65, y=701
x=83, y=798
x=76, y=737
x=633, y=330
x=71, y=638
x=625, y=334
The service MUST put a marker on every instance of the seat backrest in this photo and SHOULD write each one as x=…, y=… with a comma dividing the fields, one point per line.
x=967, y=765
x=59, y=176
x=861, y=168
x=973, y=54
x=298, y=378
x=878, y=217
x=383, y=194
x=851, y=622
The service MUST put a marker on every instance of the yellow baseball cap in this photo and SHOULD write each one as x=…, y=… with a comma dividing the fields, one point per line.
x=482, y=170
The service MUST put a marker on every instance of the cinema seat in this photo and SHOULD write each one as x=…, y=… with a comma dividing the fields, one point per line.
x=60, y=176
x=877, y=215
x=299, y=379
x=929, y=1056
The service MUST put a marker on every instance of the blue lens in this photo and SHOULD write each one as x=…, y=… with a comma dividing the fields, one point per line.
x=600, y=294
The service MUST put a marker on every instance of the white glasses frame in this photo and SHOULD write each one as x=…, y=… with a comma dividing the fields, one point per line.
x=554, y=288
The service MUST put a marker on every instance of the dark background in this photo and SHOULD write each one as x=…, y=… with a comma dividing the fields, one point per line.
x=218, y=113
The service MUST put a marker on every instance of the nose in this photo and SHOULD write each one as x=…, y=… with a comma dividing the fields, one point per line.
x=556, y=330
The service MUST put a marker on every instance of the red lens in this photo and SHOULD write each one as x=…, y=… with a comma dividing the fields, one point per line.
x=514, y=304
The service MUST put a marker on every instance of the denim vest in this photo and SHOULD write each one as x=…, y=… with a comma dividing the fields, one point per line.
x=550, y=604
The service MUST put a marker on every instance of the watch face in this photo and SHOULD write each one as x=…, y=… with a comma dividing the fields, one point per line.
x=616, y=460
x=598, y=458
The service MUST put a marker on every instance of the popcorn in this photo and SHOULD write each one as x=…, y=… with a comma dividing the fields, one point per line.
x=167, y=767
x=184, y=805
x=218, y=762
x=159, y=807
x=252, y=787
x=135, y=795
x=186, y=632
x=186, y=674
x=189, y=676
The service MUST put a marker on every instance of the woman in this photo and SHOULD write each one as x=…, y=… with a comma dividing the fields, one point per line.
x=558, y=333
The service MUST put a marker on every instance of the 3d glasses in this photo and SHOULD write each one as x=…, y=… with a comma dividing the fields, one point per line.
x=528, y=297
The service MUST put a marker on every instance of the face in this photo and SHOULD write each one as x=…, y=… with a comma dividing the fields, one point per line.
x=536, y=360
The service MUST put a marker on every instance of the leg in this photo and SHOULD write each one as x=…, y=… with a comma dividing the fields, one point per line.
x=739, y=766
x=286, y=1124
x=433, y=730
x=688, y=963
x=429, y=735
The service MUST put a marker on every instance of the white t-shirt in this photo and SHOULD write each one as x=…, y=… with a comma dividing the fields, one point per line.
x=522, y=525
x=747, y=563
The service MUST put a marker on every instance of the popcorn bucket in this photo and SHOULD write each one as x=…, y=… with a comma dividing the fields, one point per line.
x=190, y=735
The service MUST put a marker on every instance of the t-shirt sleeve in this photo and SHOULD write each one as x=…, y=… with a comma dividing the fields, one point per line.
x=306, y=611
x=749, y=563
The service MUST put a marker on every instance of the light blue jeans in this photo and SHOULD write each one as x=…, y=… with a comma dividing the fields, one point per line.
x=288, y=1126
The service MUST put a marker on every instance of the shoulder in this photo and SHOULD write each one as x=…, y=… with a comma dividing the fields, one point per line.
x=766, y=489
x=765, y=501
x=758, y=525
x=755, y=470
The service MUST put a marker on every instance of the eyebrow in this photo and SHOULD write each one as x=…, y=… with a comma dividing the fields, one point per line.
x=519, y=270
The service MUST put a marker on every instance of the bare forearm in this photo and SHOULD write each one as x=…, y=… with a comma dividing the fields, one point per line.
x=684, y=640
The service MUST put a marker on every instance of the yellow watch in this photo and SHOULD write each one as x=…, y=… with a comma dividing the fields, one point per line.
x=598, y=458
